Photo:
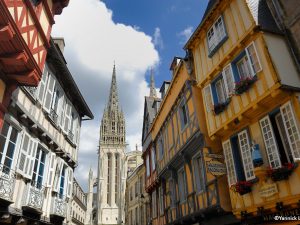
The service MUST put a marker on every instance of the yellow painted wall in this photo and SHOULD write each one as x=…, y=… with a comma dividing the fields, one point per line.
x=2, y=89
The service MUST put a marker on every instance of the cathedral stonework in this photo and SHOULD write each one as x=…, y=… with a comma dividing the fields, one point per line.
x=112, y=172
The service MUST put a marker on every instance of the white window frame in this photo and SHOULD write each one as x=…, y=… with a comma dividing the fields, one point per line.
x=229, y=161
x=208, y=98
x=250, y=58
x=198, y=173
x=270, y=142
x=213, y=40
x=291, y=120
x=44, y=178
x=228, y=80
x=153, y=159
x=182, y=189
x=221, y=90
x=246, y=154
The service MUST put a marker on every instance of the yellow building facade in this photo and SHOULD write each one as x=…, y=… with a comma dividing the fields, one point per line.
x=250, y=93
x=185, y=192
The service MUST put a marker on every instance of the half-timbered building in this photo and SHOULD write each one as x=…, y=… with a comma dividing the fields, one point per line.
x=250, y=91
x=151, y=106
x=25, y=27
x=186, y=192
x=39, y=146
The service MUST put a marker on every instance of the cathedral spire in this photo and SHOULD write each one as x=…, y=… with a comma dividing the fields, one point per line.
x=152, y=85
x=113, y=102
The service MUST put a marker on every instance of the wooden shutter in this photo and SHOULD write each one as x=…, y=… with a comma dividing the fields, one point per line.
x=69, y=185
x=229, y=161
x=228, y=80
x=27, y=156
x=63, y=108
x=291, y=128
x=49, y=93
x=208, y=98
x=77, y=130
x=58, y=170
x=42, y=86
x=67, y=117
x=244, y=144
x=270, y=142
x=51, y=169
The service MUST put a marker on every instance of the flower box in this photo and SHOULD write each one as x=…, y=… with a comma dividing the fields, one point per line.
x=281, y=173
x=220, y=107
x=244, y=84
x=242, y=187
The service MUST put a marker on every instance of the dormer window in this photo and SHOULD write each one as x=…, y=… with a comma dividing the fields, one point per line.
x=216, y=35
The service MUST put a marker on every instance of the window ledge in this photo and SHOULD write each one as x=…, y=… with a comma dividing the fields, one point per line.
x=215, y=49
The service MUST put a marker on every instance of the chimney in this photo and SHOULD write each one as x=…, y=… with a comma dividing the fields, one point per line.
x=60, y=42
x=164, y=88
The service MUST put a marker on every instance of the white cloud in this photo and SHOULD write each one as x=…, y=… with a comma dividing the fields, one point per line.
x=185, y=34
x=157, y=38
x=93, y=42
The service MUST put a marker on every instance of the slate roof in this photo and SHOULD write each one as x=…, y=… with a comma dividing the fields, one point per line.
x=259, y=10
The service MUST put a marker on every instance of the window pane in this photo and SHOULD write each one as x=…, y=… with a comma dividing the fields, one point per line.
x=220, y=88
x=244, y=68
x=254, y=59
x=5, y=129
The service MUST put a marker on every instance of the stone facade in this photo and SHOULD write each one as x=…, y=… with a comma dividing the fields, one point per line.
x=111, y=181
x=78, y=205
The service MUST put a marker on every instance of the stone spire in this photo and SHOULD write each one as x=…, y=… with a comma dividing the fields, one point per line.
x=112, y=131
x=152, y=86
x=113, y=102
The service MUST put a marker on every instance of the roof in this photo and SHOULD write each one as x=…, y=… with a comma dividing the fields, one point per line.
x=259, y=10
x=55, y=57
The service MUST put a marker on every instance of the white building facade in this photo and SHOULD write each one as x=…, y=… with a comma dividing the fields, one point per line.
x=78, y=208
x=39, y=145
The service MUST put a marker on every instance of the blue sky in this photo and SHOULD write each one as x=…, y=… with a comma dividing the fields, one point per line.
x=137, y=35
x=171, y=16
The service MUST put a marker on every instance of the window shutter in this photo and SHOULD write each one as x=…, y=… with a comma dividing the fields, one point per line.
x=23, y=162
x=31, y=157
x=49, y=93
x=63, y=108
x=67, y=117
x=208, y=98
x=69, y=182
x=253, y=57
x=77, y=131
x=58, y=171
x=228, y=80
x=42, y=86
x=270, y=142
x=51, y=172
x=229, y=161
x=245, y=149
x=60, y=109
x=291, y=128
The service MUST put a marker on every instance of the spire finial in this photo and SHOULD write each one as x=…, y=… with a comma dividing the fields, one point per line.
x=152, y=85
x=113, y=102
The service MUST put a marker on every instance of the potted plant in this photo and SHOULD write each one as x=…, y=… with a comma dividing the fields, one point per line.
x=281, y=173
x=242, y=187
x=244, y=84
x=220, y=107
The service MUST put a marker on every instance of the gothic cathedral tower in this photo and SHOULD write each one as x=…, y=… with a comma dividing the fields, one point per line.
x=112, y=162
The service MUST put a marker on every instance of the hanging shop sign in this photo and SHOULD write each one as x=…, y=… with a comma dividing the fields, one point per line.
x=216, y=168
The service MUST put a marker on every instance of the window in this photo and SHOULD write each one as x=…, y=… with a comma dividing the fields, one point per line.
x=136, y=189
x=216, y=35
x=172, y=192
x=208, y=98
x=248, y=64
x=198, y=173
x=8, y=140
x=238, y=158
x=62, y=182
x=147, y=166
x=108, y=177
x=160, y=148
x=161, y=200
x=153, y=159
x=281, y=136
x=183, y=111
x=154, y=206
x=228, y=79
x=220, y=90
x=117, y=170
x=182, y=185
x=39, y=167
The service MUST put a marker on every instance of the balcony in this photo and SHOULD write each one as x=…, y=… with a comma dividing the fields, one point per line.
x=7, y=184
x=34, y=197
x=53, y=116
x=59, y=206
